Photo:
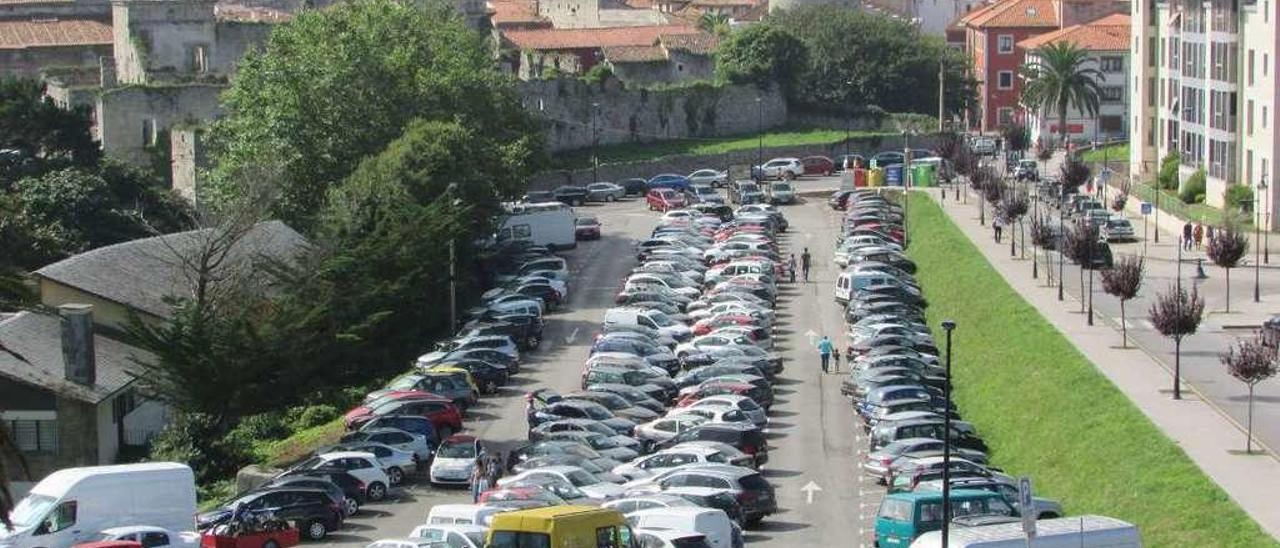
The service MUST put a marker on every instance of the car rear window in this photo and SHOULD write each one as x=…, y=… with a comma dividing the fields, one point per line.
x=690, y=542
x=754, y=482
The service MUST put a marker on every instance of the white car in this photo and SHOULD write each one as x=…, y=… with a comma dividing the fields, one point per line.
x=595, y=488
x=713, y=340
x=682, y=454
x=455, y=460
x=715, y=413
x=151, y=537
x=456, y=536
x=728, y=307
x=731, y=249
x=665, y=428
x=406, y=543
x=780, y=168
x=644, y=281
x=709, y=177
x=396, y=462
x=364, y=466
x=739, y=402
x=645, y=502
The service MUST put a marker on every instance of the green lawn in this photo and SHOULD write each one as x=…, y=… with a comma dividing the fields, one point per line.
x=635, y=152
x=1118, y=153
x=1047, y=413
x=1200, y=212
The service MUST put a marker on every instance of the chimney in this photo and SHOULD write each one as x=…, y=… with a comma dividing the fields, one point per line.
x=77, y=343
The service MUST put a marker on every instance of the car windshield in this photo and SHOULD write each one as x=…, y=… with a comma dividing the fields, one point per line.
x=402, y=383
x=595, y=412
x=580, y=478
x=31, y=510
x=587, y=221
x=602, y=442
x=747, y=187
x=661, y=319
x=781, y=186
x=463, y=450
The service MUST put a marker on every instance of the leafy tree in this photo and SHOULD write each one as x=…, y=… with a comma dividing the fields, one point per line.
x=336, y=85
x=1123, y=282
x=1016, y=138
x=1168, y=176
x=1079, y=243
x=1239, y=198
x=1014, y=207
x=714, y=23
x=1059, y=81
x=764, y=55
x=1193, y=190
x=1176, y=314
x=1073, y=174
x=1226, y=249
x=44, y=135
x=1251, y=361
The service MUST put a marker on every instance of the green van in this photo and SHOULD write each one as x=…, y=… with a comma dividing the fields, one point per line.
x=905, y=516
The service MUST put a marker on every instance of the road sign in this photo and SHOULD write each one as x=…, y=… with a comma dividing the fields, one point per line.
x=1146, y=208
x=1026, y=506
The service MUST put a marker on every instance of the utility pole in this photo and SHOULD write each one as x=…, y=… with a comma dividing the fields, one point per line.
x=942, y=86
x=595, y=144
x=948, y=326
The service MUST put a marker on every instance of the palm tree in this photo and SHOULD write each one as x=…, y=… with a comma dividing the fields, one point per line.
x=1058, y=80
x=714, y=23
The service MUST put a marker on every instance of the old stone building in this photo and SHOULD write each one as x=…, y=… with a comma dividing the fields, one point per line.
x=672, y=58
x=27, y=45
x=536, y=52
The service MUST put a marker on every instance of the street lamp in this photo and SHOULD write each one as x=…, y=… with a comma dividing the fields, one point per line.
x=595, y=144
x=848, y=120
x=453, y=266
x=948, y=326
x=759, y=139
x=1266, y=206
x=906, y=183
x=1257, y=265
x=1062, y=233
x=1089, y=233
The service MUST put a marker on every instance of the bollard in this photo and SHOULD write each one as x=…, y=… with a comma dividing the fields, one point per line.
x=1200, y=275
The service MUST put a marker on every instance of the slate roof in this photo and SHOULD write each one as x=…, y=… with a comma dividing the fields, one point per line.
x=1014, y=14
x=44, y=33
x=1110, y=33
x=38, y=338
x=562, y=39
x=634, y=54
x=699, y=44
x=142, y=273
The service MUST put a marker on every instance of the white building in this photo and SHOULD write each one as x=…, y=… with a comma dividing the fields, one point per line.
x=1107, y=41
x=1205, y=79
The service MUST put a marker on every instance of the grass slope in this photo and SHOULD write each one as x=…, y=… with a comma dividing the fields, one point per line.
x=1115, y=154
x=635, y=152
x=1047, y=413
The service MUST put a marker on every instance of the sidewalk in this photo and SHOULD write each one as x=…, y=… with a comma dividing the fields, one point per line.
x=1209, y=436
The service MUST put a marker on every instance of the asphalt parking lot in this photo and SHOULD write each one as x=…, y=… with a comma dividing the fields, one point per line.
x=812, y=435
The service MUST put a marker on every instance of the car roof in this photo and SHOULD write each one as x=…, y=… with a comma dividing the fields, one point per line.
x=932, y=495
x=347, y=454
x=460, y=438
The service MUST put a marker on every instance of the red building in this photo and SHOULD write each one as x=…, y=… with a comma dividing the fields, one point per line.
x=992, y=34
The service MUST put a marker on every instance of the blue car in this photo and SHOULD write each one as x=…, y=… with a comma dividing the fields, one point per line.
x=674, y=181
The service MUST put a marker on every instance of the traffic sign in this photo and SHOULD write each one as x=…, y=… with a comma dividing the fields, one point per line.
x=1146, y=208
x=1026, y=507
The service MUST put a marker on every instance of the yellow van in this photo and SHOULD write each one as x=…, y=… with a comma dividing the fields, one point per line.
x=560, y=527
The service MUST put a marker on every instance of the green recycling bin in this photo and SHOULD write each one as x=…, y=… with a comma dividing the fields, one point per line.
x=922, y=175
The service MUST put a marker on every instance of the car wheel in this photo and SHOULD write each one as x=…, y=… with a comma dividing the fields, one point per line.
x=377, y=491
x=270, y=544
x=315, y=530
x=610, y=198
x=533, y=341
x=351, y=507
x=491, y=387
x=396, y=475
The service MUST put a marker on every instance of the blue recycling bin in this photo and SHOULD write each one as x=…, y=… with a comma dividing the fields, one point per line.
x=893, y=175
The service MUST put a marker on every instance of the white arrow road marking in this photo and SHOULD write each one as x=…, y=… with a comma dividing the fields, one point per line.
x=812, y=336
x=809, y=489
x=572, y=335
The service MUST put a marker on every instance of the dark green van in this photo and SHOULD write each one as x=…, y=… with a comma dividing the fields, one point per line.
x=905, y=516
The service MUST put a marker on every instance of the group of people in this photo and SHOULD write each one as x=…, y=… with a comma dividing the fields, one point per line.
x=1193, y=236
x=805, y=261
x=485, y=474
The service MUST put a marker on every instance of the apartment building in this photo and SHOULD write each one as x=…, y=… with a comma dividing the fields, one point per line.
x=1204, y=85
x=1107, y=41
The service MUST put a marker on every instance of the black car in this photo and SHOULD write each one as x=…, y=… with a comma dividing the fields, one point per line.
x=619, y=405
x=635, y=187
x=488, y=376
x=578, y=409
x=524, y=329
x=721, y=500
x=349, y=505
x=490, y=355
x=744, y=437
x=352, y=488
x=548, y=294
x=697, y=376
x=839, y=200
x=313, y=511
x=571, y=195
x=539, y=197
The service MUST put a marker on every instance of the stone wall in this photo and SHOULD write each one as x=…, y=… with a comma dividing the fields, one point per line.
x=690, y=163
x=636, y=115
x=136, y=119
x=93, y=9
x=28, y=63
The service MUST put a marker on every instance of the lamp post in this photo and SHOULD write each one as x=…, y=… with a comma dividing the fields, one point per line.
x=848, y=120
x=1089, y=233
x=1257, y=265
x=595, y=144
x=948, y=326
x=906, y=184
x=759, y=139
x=1266, y=206
x=1062, y=233
x=453, y=267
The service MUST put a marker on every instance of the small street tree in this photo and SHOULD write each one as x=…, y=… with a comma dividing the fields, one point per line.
x=1176, y=314
x=1074, y=174
x=1016, y=138
x=1251, y=361
x=1015, y=206
x=1226, y=249
x=1042, y=236
x=1123, y=282
x=1078, y=244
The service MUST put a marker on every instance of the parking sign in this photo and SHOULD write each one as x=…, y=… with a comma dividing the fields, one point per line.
x=1026, y=506
x=1146, y=208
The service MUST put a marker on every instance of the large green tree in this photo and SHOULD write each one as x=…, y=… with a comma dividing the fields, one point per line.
x=337, y=85
x=762, y=54
x=1058, y=80
x=36, y=135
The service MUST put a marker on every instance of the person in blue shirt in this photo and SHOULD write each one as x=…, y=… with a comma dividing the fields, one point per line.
x=824, y=350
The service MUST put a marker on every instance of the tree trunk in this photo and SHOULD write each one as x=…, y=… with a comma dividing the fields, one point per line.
x=1248, y=428
x=1082, y=295
x=1228, y=288
x=982, y=209
x=1124, y=331
x=1177, y=368
x=1013, y=242
x=1022, y=230
x=1062, y=125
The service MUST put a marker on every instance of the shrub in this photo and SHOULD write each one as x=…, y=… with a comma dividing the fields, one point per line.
x=1193, y=190
x=197, y=440
x=1168, y=177
x=1239, y=197
x=597, y=74
x=302, y=418
x=263, y=426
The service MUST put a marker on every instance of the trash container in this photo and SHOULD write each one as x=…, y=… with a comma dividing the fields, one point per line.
x=893, y=175
x=922, y=175
x=875, y=177
x=860, y=177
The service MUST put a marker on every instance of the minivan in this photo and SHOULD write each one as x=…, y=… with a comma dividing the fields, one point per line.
x=556, y=526
x=715, y=524
x=462, y=514
x=905, y=516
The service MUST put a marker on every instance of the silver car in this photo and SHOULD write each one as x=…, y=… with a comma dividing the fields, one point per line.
x=605, y=192
x=395, y=462
x=1117, y=229
x=709, y=177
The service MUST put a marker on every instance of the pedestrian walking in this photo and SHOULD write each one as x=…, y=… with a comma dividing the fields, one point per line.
x=1199, y=235
x=998, y=226
x=835, y=361
x=824, y=351
x=805, y=260
x=1187, y=232
x=791, y=267
x=1208, y=233
x=479, y=479
x=530, y=413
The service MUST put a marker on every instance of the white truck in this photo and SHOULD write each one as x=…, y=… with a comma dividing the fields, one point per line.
x=73, y=505
x=546, y=224
x=1072, y=532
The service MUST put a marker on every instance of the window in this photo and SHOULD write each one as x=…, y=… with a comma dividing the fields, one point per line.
x=606, y=537
x=60, y=518
x=1111, y=94
x=153, y=539
x=149, y=137
x=1248, y=120
x=1005, y=79
x=196, y=59
x=35, y=436
x=1151, y=91
x=1004, y=115
x=1004, y=43
x=1250, y=68
x=1112, y=64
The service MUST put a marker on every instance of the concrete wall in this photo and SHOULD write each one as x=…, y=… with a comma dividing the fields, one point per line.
x=123, y=113
x=627, y=115
x=690, y=163
x=680, y=66
x=78, y=443
x=234, y=39
x=162, y=37
x=28, y=63
x=187, y=156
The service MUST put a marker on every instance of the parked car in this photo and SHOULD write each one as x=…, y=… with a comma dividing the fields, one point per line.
x=150, y=537
x=605, y=192
x=364, y=466
x=571, y=195
x=312, y=511
x=888, y=158
x=778, y=168
x=745, y=192
x=672, y=181
x=416, y=444
x=664, y=199
x=634, y=186
x=781, y=193
x=1027, y=170
x=539, y=197
x=586, y=227
x=709, y=177
x=352, y=488
x=818, y=165
x=1117, y=229
x=454, y=460
x=703, y=194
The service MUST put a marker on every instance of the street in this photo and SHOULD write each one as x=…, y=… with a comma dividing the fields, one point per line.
x=812, y=436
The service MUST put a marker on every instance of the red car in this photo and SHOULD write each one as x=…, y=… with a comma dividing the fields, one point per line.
x=439, y=410
x=586, y=227
x=664, y=199
x=715, y=389
x=818, y=165
x=707, y=325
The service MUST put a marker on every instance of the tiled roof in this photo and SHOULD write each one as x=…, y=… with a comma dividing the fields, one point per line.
x=697, y=44
x=640, y=4
x=1110, y=33
x=43, y=33
x=723, y=2
x=1013, y=14
x=554, y=39
x=143, y=273
x=514, y=11
x=37, y=338
x=237, y=13
x=634, y=54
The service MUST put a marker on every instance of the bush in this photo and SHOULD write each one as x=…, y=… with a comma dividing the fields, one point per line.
x=1239, y=197
x=597, y=74
x=304, y=417
x=197, y=440
x=1168, y=177
x=1193, y=190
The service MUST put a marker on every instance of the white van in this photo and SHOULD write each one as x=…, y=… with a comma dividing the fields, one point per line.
x=1072, y=532
x=463, y=514
x=712, y=522
x=546, y=224
x=72, y=505
x=645, y=317
x=847, y=283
